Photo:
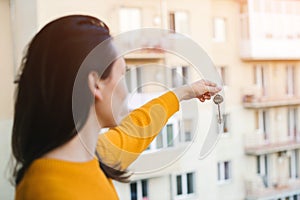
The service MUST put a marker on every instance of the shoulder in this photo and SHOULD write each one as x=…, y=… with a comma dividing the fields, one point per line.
x=43, y=187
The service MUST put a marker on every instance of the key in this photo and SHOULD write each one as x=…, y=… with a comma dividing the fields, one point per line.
x=217, y=100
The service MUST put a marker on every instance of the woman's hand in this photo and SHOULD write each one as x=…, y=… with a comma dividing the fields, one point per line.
x=202, y=89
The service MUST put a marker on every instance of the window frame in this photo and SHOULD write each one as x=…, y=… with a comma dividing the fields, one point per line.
x=173, y=22
x=290, y=80
x=185, y=129
x=292, y=123
x=184, y=185
x=179, y=75
x=294, y=164
x=153, y=146
x=260, y=78
x=222, y=70
x=263, y=124
x=216, y=37
x=225, y=129
x=139, y=189
x=262, y=165
x=221, y=173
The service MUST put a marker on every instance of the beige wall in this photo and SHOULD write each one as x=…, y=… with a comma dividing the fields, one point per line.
x=6, y=62
x=6, y=95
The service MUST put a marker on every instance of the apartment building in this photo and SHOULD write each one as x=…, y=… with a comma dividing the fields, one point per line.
x=273, y=28
x=256, y=40
x=254, y=45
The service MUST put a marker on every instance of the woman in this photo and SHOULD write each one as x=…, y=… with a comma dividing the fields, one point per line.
x=55, y=153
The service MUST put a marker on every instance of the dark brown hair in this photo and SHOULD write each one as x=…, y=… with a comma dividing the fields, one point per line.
x=43, y=117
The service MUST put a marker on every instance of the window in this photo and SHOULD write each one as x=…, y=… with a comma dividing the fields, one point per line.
x=292, y=123
x=139, y=190
x=134, y=79
x=294, y=165
x=187, y=130
x=224, y=171
x=159, y=140
x=290, y=80
x=179, y=22
x=225, y=123
x=165, y=138
x=133, y=191
x=262, y=123
x=262, y=165
x=130, y=18
x=179, y=184
x=296, y=197
x=170, y=135
x=144, y=189
x=263, y=168
x=223, y=73
x=185, y=184
x=219, y=29
x=179, y=76
x=260, y=78
x=190, y=183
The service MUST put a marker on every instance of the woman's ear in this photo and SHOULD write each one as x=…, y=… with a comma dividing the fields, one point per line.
x=95, y=86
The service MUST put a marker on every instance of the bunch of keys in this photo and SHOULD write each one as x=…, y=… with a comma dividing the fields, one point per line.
x=217, y=100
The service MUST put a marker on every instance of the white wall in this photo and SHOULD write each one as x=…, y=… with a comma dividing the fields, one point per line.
x=24, y=25
x=158, y=187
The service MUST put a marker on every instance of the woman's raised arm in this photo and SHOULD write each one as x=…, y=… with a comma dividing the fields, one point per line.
x=123, y=144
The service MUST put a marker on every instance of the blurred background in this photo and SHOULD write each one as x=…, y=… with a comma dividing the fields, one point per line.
x=255, y=45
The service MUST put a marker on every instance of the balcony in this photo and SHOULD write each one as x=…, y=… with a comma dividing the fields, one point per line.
x=253, y=99
x=270, y=49
x=154, y=163
x=145, y=55
x=255, y=144
x=261, y=188
x=260, y=103
x=263, y=39
x=272, y=148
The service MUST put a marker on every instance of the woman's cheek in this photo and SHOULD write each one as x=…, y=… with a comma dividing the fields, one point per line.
x=120, y=101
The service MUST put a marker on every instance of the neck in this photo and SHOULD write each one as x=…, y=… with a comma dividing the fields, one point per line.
x=83, y=146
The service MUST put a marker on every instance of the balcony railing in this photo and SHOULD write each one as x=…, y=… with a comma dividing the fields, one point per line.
x=271, y=188
x=256, y=144
x=146, y=55
x=257, y=103
x=253, y=98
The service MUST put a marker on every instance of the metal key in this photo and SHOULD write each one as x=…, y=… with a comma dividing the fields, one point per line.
x=217, y=100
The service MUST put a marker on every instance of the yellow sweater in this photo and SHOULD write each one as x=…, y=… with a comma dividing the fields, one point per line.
x=52, y=179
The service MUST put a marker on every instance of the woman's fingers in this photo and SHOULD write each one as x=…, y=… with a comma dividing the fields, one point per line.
x=204, y=86
x=207, y=95
x=209, y=83
x=212, y=89
x=202, y=89
x=201, y=98
x=204, y=97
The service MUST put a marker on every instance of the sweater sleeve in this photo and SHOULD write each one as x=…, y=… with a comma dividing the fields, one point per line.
x=121, y=145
